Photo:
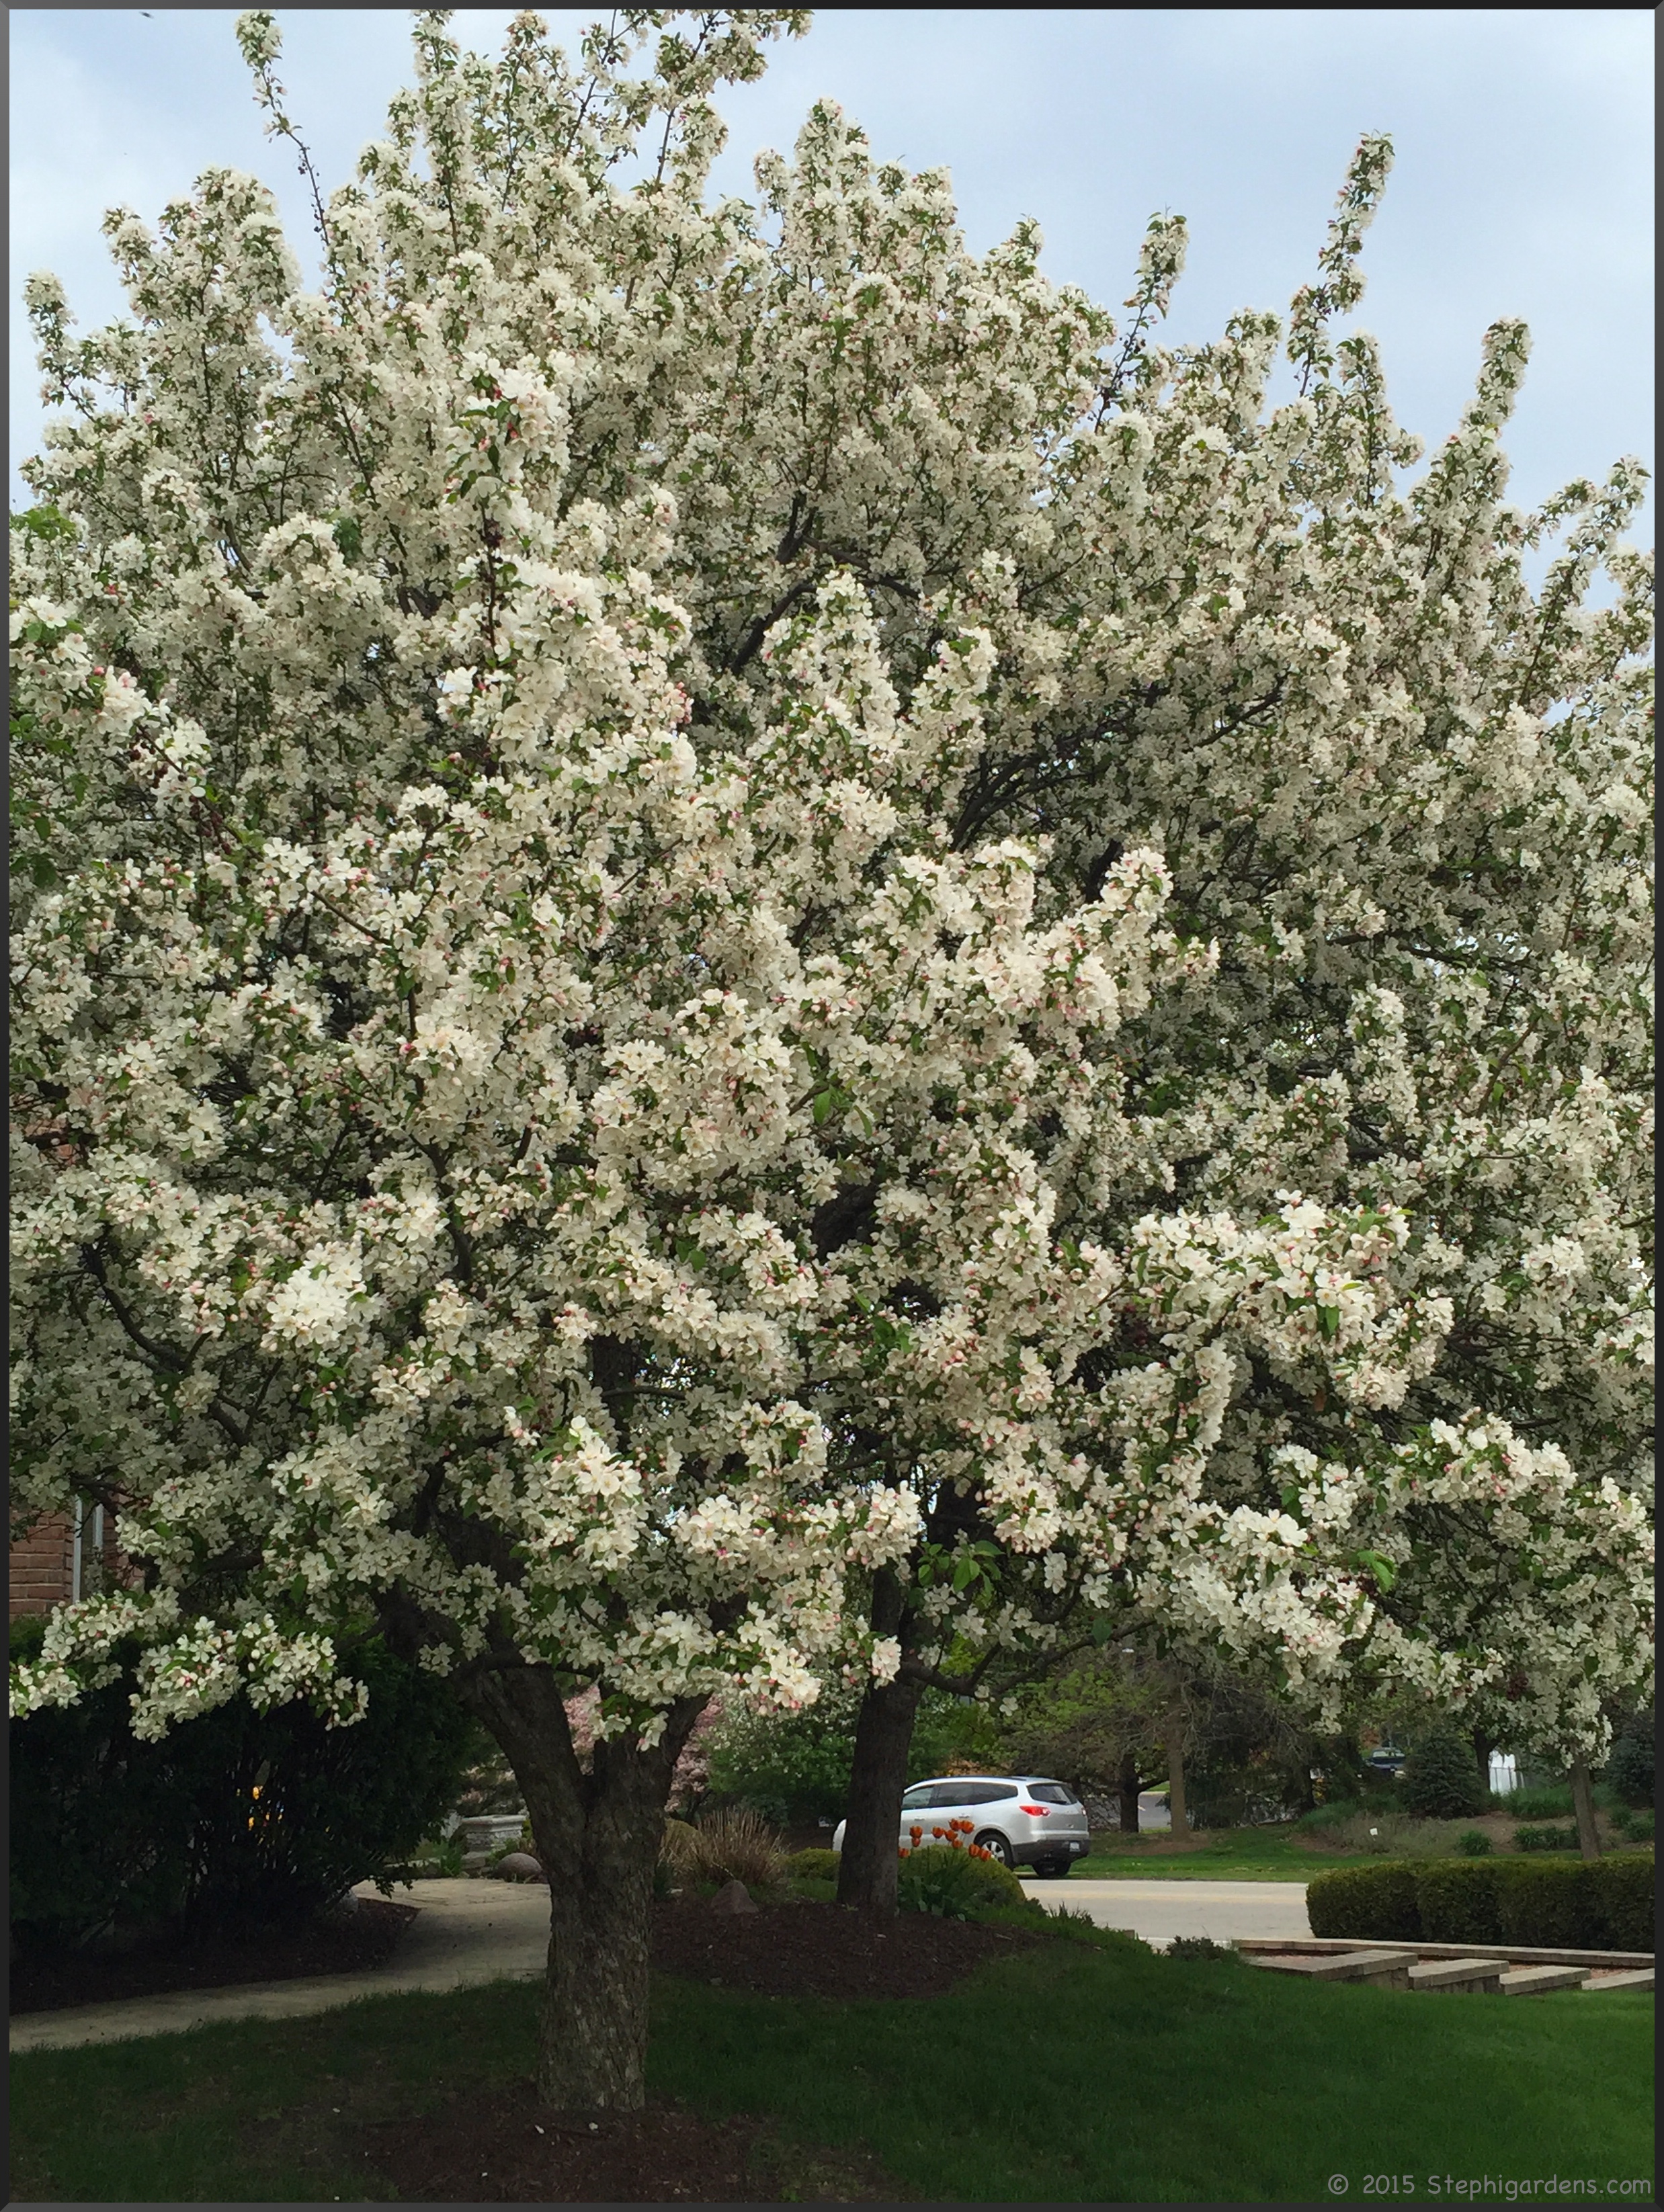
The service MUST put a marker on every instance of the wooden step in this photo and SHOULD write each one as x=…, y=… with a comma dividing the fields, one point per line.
x=1481, y=1976
x=1640, y=1979
x=1537, y=1981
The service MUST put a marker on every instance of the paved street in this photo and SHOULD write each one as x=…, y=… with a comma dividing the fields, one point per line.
x=1158, y=1911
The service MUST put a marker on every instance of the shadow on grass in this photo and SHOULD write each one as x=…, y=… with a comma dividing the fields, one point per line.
x=1088, y=2071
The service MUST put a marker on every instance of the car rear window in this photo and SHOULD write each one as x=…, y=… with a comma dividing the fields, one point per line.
x=1050, y=1793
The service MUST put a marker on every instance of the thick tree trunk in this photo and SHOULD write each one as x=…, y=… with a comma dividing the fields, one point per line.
x=1483, y=1745
x=1176, y=1801
x=597, y=1836
x=1127, y=1782
x=1583, y=1804
x=868, y=1866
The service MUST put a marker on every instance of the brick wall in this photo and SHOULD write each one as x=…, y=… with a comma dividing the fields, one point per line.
x=43, y=1563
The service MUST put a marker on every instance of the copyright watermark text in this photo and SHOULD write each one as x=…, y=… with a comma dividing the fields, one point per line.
x=1504, y=2188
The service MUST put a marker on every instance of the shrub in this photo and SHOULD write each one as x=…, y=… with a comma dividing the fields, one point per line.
x=1474, y=1844
x=1636, y=1827
x=813, y=1866
x=1201, y=1947
x=955, y=1882
x=1630, y=1769
x=794, y=1768
x=1441, y=1778
x=99, y=1827
x=1456, y=1903
x=1560, y=1905
x=1624, y=1901
x=1545, y=1839
x=437, y=1856
x=1374, y=1901
x=1547, y=1905
x=1543, y=1803
x=233, y=1818
x=1335, y=1814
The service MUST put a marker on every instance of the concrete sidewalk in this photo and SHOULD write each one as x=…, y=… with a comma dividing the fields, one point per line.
x=466, y=1932
x=470, y=1931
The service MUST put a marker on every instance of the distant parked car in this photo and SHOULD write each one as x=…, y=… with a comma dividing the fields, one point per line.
x=1022, y=1821
x=1387, y=1759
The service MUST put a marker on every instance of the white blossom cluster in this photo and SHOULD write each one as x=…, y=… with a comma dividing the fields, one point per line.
x=712, y=898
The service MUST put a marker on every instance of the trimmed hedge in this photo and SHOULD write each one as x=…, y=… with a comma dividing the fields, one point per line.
x=1538, y=1904
x=1456, y=1902
x=1378, y=1901
x=1548, y=1902
x=1625, y=1900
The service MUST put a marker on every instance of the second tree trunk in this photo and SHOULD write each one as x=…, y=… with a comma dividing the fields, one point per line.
x=883, y=1737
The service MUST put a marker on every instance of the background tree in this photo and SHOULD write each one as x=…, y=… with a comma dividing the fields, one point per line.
x=1439, y=1780
x=1102, y=1725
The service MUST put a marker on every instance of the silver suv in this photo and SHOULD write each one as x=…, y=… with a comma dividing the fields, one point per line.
x=1022, y=1821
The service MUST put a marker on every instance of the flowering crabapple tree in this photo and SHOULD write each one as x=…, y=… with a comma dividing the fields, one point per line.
x=679, y=1027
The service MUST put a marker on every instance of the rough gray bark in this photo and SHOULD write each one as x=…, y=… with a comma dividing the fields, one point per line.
x=1583, y=1804
x=1127, y=1783
x=1483, y=1745
x=597, y=1836
x=1175, y=1749
x=868, y=1866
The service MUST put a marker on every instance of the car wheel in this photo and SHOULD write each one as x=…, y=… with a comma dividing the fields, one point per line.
x=1051, y=1869
x=991, y=1841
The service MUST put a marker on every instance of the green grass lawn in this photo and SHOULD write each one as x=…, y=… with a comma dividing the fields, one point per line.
x=1242, y=1854
x=1077, y=2073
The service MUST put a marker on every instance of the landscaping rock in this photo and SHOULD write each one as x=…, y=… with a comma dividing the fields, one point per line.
x=733, y=1896
x=518, y=1866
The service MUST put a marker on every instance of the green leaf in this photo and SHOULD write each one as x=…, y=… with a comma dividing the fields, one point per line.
x=1383, y=1570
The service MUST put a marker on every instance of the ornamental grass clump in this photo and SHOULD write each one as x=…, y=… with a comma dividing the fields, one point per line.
x=732, y=1844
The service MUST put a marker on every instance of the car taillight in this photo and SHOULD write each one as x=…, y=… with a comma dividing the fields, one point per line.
x=1039, y=1812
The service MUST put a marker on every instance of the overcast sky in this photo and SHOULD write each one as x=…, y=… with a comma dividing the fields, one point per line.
x=1522, y=183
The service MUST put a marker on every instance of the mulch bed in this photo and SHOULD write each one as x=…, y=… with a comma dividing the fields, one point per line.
x=342, y=1945
x=501, y=2150
x=800, y=1950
